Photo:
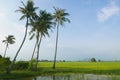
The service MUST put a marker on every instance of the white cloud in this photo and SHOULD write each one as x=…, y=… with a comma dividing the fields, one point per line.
x=108, y=11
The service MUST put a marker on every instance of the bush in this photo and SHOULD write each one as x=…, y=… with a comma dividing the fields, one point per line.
x=21, y=65
x=4, y=63
x=93, y=60
x=0, y=56
x=99, y=60
x=32, y=64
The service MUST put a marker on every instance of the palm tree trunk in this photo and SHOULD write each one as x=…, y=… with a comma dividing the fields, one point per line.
x=34, y=51
x=6, y=49
x=38, y=48
x=54, y=64
x=10, y=67
x=31, y=63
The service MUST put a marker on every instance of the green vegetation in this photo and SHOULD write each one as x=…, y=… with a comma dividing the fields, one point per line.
x=28, y=11
x=40, y=24
x=83, y=67
x=93, y=60
x=45, y=68
x=21, y=65
x=4, y=62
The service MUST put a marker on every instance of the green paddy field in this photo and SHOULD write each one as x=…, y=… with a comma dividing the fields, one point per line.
x=45, y=68
x=82, y=67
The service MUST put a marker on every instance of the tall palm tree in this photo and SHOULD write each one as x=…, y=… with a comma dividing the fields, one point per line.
x=59, y=19
x=10, y=39
x=32, y=35
x=28, y=12
x=41, y=25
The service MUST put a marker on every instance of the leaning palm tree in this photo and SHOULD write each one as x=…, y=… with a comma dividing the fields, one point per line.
x=10, y=39
x=59, y=19
x=28, y=12
x=41, y=25
x=32, y=36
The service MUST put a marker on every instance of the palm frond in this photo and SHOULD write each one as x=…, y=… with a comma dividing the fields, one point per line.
x=23, y=4
x=22, y=17
x=32, y=36
x=60, y=16
x=10, y=39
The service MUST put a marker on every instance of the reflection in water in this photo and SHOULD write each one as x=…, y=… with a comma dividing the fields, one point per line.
x=73, y=77
x=78, y=77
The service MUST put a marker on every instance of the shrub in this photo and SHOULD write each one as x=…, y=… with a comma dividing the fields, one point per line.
x=32, y=64
x=93, y=60
x=0, y=56
x=99, y=60
x=4, y=63
x=21, y=65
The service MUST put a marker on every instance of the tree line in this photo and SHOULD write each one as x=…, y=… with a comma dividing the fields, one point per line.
x=41, y=24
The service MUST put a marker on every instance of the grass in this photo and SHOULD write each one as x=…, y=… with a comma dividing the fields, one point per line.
x=83, y=67
x=45, y=68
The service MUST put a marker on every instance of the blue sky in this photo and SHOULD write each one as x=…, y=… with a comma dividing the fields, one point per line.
x=94, y=30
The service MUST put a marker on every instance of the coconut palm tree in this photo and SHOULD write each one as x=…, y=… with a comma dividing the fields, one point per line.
x=41, y=25
x=33, y=51
x=28, y=12
x=10, y=39
x=59, y=19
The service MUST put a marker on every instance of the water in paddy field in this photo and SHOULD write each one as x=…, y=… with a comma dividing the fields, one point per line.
x=73, y=77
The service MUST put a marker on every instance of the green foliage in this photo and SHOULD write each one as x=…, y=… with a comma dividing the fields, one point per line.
x=45, y=68
x=99, y=60
x=32, y=64
x=21, y=65
x=4, y=62
x=0, y=56
x=10, y=39
x=93, y=60
x=84, y=66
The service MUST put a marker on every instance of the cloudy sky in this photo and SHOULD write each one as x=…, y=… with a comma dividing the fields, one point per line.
x=94, y=30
